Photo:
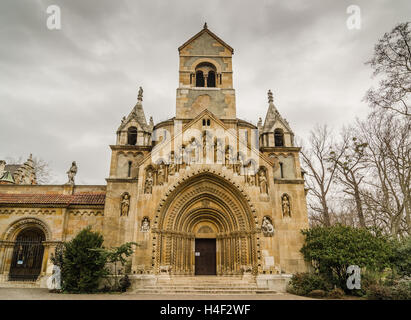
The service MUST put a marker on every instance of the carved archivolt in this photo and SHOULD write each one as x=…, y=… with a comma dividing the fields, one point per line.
x=205, y=197
x=17, y=226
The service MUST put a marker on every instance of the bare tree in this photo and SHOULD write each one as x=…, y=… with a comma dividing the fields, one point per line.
x=392, y=62
x=387, y=195
x=351, y=168
x=320, y=172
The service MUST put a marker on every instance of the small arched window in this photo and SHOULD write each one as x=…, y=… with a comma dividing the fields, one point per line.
x=132, y=136
x=278, y=138
x=211, y=79
x=199, y=79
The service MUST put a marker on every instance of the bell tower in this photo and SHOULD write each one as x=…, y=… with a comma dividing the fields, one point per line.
x=205, y=77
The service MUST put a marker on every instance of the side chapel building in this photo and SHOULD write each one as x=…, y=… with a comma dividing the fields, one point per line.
x=204, y=193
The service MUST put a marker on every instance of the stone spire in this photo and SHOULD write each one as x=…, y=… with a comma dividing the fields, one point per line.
x=137, y=113
x=273, y=115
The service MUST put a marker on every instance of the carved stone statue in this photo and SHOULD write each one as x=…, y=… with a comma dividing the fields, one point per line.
x=125, y=205
x=228, y=159
x=239, y=165
x=262, y=180
x=172, y=165
x=145, y=225
x=161, y=175
x=72, y=173
x=148, y=187
x=270, y=96
x=54, y=281
x=285, y=203
x=140, y=94
x=267, y=227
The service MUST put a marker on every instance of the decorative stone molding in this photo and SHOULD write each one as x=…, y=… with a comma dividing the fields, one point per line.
x=27, y=211
x=87, y=212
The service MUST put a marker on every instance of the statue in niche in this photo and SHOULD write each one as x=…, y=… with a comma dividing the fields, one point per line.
x=262, y=180
x=172, y=165
x=219, y=151
x=161, y=175
x=125, y=205
x=249, y=176
x=267, y=227
x=145, y=225
x=239, y=165
x=228, y=159
x=148, y=187
x=140, y=94
x=72, y=173
x=285, y=203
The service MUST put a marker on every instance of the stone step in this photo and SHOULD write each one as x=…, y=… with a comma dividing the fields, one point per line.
x=204, y=291
x=19, y=284
x=200, y=287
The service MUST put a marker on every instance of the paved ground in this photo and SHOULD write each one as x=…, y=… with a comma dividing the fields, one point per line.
x=44, y=294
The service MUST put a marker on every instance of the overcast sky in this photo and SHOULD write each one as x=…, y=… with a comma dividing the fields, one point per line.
x=64, y=92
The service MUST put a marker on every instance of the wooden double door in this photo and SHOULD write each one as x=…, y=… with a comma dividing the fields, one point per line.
x=205, y=257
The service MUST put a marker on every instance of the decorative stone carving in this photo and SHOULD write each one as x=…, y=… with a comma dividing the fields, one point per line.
x=148, y=187
x=125, y=205
x=161, y=175
x=285, y=203
x=247, y=269
x=267, y=227
x=262, y=180
x=140, y=94
x=54, y=281
x=72, y=173
x=145, y=225
x=172, y=166
x=165, y=269
x=270, y=96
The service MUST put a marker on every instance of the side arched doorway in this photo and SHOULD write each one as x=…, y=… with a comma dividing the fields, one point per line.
x=205, y=226
x=27, y=257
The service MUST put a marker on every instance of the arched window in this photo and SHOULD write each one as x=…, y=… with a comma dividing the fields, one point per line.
x=278, y=138
x=205, y=75
x=211, y=79
x=132, y=136
x=199, y=79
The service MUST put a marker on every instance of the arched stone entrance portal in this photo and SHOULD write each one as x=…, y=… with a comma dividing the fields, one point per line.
x=27, y=256
x=205, y=206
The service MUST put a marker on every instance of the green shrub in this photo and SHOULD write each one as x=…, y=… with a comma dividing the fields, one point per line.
x=124, y=283
x=336, y=293
x=83, y=268
x=399, y=289
x=304, y=283
x=401, y=258
x=332, y=249
x=317, y=294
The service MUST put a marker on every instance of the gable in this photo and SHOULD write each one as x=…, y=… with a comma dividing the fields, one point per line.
x=205, y=43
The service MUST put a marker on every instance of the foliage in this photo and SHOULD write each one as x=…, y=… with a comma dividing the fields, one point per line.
x=332, y=249
x=114, y=256
x=400, y=289
x=336, y=293
x=58, y=257
x=304, y=283
x=83, y=267
x=401, y=258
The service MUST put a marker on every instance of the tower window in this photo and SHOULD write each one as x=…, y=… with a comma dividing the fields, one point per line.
x=278, y=138
x=199, y=79
x=208, y=122
x=211, y=79
x=281, y=170
x=132, y=136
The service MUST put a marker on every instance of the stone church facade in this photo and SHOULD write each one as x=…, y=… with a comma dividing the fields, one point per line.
x=203, y=193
